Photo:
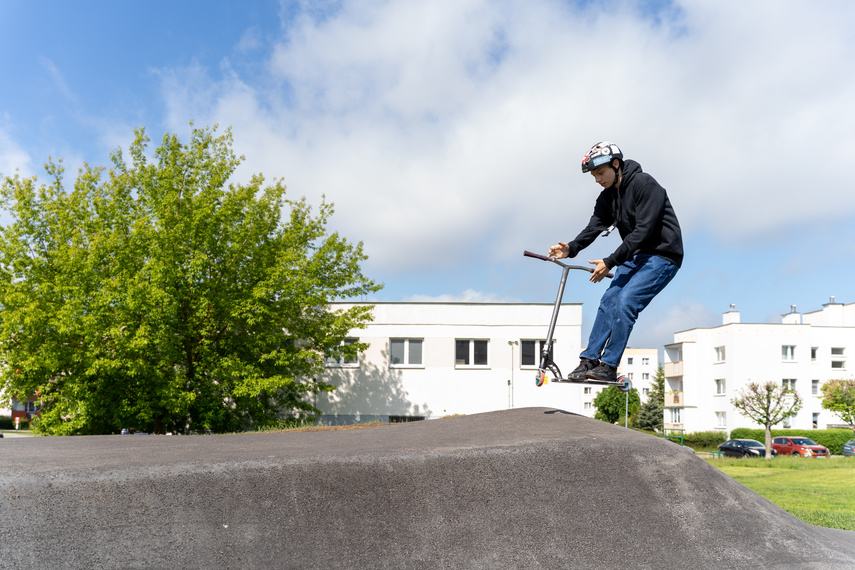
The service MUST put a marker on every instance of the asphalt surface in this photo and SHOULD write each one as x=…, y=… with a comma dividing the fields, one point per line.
x=527, y=488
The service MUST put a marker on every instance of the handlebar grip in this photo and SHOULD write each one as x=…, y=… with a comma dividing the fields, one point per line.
x=535, y=255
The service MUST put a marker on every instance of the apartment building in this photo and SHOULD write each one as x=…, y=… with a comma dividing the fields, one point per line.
x=428, y=360
x=706, y=368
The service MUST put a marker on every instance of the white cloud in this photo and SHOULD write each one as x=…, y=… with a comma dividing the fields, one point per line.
x=658, y=329
x=12, y=156
x=447, y=130
x=468, y=296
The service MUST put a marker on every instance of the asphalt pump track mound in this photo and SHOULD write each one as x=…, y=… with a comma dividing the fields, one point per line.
x=525, y=488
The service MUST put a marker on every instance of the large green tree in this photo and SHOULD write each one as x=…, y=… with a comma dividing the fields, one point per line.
x=839, y=397
x=158, y=295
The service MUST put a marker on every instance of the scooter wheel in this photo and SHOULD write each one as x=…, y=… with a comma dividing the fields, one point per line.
x=627, y=384
x=540, y=379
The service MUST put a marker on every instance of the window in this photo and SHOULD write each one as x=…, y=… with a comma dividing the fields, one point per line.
x=815, y=420
x=788, y=353
x=788, y=421
x=630, y=375
x=814, y=387
x=470, y=352
x=587, y=389
x=589, y=406
x=813, y=351
x=720, y=387
x=721, y=419
x=530, y=352
x=340, y=360
x=629, y=361
x=645, y=375
x=839, y=362
x=405, y=351
x=645, y=391
x=789, y=384
x=719, y=354
x=645, y=362
x=675, y=415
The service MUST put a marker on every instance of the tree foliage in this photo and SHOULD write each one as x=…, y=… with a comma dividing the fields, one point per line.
x=611, y=404
x=839, y=397
x=157, y=295
x=651, y=414
x=767, y=404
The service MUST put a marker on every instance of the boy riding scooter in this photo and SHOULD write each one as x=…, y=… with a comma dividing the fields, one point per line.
x=647, y=259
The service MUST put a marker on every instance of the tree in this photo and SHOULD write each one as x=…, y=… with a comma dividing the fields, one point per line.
x=767, y=404
x=651, y=413
x=839, y=397
x=157, y=295
x=611, y=403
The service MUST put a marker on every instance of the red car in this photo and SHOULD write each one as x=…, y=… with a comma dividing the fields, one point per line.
x=799, y=446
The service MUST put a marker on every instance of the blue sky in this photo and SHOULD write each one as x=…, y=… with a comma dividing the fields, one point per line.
x=449, y=133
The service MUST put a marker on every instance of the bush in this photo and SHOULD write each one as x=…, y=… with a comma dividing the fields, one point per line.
x=704, y=439
x=833, y=439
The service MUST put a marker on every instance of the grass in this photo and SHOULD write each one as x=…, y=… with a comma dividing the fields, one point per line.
x=820, y=492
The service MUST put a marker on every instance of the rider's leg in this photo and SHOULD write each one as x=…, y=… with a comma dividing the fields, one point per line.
x=649, y=276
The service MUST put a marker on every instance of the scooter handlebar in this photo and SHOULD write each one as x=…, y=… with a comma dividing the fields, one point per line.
x=535, y=255
x=553, y=260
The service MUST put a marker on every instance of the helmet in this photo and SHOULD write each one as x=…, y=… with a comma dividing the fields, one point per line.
x=601, y=153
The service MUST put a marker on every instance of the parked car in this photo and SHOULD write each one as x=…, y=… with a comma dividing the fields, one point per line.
x=743, y=448
x=799, y=446
x=849, y=447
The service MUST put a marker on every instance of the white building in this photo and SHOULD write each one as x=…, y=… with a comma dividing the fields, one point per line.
x=428, y=360
x=640, y=366
x=706, y=368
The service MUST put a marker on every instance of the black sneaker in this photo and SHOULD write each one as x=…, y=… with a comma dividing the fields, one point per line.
x=602, y=372
x=582, y=370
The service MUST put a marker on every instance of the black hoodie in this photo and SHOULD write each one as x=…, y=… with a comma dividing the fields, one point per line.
x=643, y=215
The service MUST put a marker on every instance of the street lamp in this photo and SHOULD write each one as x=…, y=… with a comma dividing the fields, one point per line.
x=511, y=343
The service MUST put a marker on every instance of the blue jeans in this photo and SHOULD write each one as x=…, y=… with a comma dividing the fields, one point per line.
x=633, y=286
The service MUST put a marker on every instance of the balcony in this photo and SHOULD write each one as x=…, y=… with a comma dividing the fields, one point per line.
x=673, y=369
x=674, y=399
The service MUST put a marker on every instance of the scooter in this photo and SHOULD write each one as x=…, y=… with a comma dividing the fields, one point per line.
x=546, y=363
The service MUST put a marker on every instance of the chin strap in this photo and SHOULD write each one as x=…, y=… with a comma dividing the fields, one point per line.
x=618, y=176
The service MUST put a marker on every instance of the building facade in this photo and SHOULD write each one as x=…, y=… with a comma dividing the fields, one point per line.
x=428, y=360
x=706, y=368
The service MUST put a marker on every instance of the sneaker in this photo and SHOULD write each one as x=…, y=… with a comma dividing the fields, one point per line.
x=602, y=372
x=582, y=370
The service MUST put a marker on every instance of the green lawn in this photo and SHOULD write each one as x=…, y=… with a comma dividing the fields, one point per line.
x=818, y=491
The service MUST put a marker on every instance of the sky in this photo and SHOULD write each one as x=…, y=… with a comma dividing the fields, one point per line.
x=449, y=134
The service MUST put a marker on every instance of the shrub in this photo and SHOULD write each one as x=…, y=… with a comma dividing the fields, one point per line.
x=833, y=439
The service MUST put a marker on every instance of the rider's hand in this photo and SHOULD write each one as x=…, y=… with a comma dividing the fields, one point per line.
x=559, y=251
x=600, y=271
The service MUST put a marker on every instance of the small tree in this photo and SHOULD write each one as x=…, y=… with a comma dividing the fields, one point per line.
x=651, y=413
x=611, y=403
x=767, y=404
x=839, y=397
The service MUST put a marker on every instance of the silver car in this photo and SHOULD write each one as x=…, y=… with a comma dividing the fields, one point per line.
x=849, y=447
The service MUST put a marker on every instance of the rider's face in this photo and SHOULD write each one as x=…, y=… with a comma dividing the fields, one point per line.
x=604, y=175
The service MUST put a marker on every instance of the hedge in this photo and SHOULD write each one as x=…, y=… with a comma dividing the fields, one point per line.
x=6, y=422
x=699, y=440
x=833, y=439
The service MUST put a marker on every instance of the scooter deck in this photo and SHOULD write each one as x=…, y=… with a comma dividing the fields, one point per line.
x=620, y=381
x=624, y=383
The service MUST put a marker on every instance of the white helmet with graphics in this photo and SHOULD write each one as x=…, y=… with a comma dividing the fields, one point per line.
x=601, y=153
